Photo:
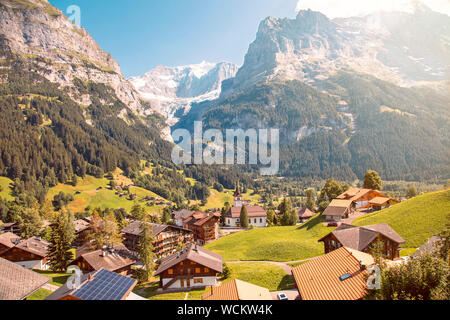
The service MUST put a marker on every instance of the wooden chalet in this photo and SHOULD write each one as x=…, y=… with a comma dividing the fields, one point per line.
x=339, y=209
x=30, y=254
x=82, y=228
x=17, y=283
x=380, y=203
x=8, y=240
x=166, y=237
x=12, y=227
x=365, y=239
x=204, y=226
x=361, y=197
x=304, y=214
x=237, y=290
x=117, y=259
x=192, y=267
x=179, y=216
x=338, y=275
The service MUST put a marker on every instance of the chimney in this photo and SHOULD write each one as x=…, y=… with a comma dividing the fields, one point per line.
x=362, y=266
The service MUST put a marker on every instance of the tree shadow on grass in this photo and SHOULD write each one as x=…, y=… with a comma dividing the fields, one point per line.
x=312, y=223
x=286, y=283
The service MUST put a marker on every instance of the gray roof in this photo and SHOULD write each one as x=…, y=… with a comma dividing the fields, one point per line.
x=182, y=214
x=358, y=238
x=35, y=245
x=428, y=247
x=16, y=282
x=196, y=254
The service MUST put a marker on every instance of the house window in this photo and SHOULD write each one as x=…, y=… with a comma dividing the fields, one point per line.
x=197, y=270
x=198, y=280
x=206, y=269
x=237, y=220
x=170, y=271
x=255, y=220
x=260, y=220
x=181, y=263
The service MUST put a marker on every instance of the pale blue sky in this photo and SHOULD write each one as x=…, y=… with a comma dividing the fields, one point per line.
x=142, y=34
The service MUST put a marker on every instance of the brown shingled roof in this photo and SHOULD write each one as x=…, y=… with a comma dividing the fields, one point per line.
x=119, y=258
x=196, y=254
x=9, y=239
x=35, y=245
x=81, y=225
x=305, y=213
x=319, y=279
x=16, y=282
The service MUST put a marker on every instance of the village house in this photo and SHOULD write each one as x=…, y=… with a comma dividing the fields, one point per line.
x=304, y=214
x=365, y=239
x=82, y=228
x=380, y=203
x=167, y=238
x=204, y=226
x=179, y=216
x=12, y=227
x=192, y=267
x=30, y=254
x=338, y=275
x=8, y=240
x=338, y=210
x=361, y=197
x=257, y=216
x=98, y=285
x=17, y=283
x=117, y=259
x=237, y=290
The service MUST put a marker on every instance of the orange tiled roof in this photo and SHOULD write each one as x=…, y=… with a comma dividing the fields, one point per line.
x=237, y=290
x=319, y=279
x=355, y=193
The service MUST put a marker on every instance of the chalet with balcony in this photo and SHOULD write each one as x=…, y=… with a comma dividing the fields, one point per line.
x=30, y=254
x=204, y=226
x=166, y=237
x=12, y=227
x=365, y=239
x=192, y=267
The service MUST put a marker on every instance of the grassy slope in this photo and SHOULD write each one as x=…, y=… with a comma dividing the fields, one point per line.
x=57, y=279
x=6, y=190
x=273, y=244
x=417, y=219
x=92, y=197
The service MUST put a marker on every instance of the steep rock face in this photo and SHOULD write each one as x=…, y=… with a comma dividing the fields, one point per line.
x=38, y=31
x=405, y=49
x=170, y=90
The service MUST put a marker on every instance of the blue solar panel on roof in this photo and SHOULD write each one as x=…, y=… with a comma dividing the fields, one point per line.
x=106, y=285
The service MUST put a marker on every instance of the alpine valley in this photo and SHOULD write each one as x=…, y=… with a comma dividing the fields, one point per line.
x=347, y=95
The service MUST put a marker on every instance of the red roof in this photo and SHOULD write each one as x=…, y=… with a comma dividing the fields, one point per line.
x=252, y=211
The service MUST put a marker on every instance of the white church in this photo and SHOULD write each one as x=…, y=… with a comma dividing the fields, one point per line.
x=257, y=216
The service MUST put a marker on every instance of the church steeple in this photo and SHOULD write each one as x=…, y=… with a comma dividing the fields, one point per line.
x=237, y=197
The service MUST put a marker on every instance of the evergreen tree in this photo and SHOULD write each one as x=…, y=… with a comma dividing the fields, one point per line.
x=271, y=218
x=372, y=181
x=137, y=212
x=30, y=223
x=146, y=254
x=243, y=218
x=166, y=216
x=310, y=199
x=62, y=236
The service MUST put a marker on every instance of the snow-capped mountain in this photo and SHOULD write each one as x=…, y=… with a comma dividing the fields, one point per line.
x=402, y=48
x=171, y=90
